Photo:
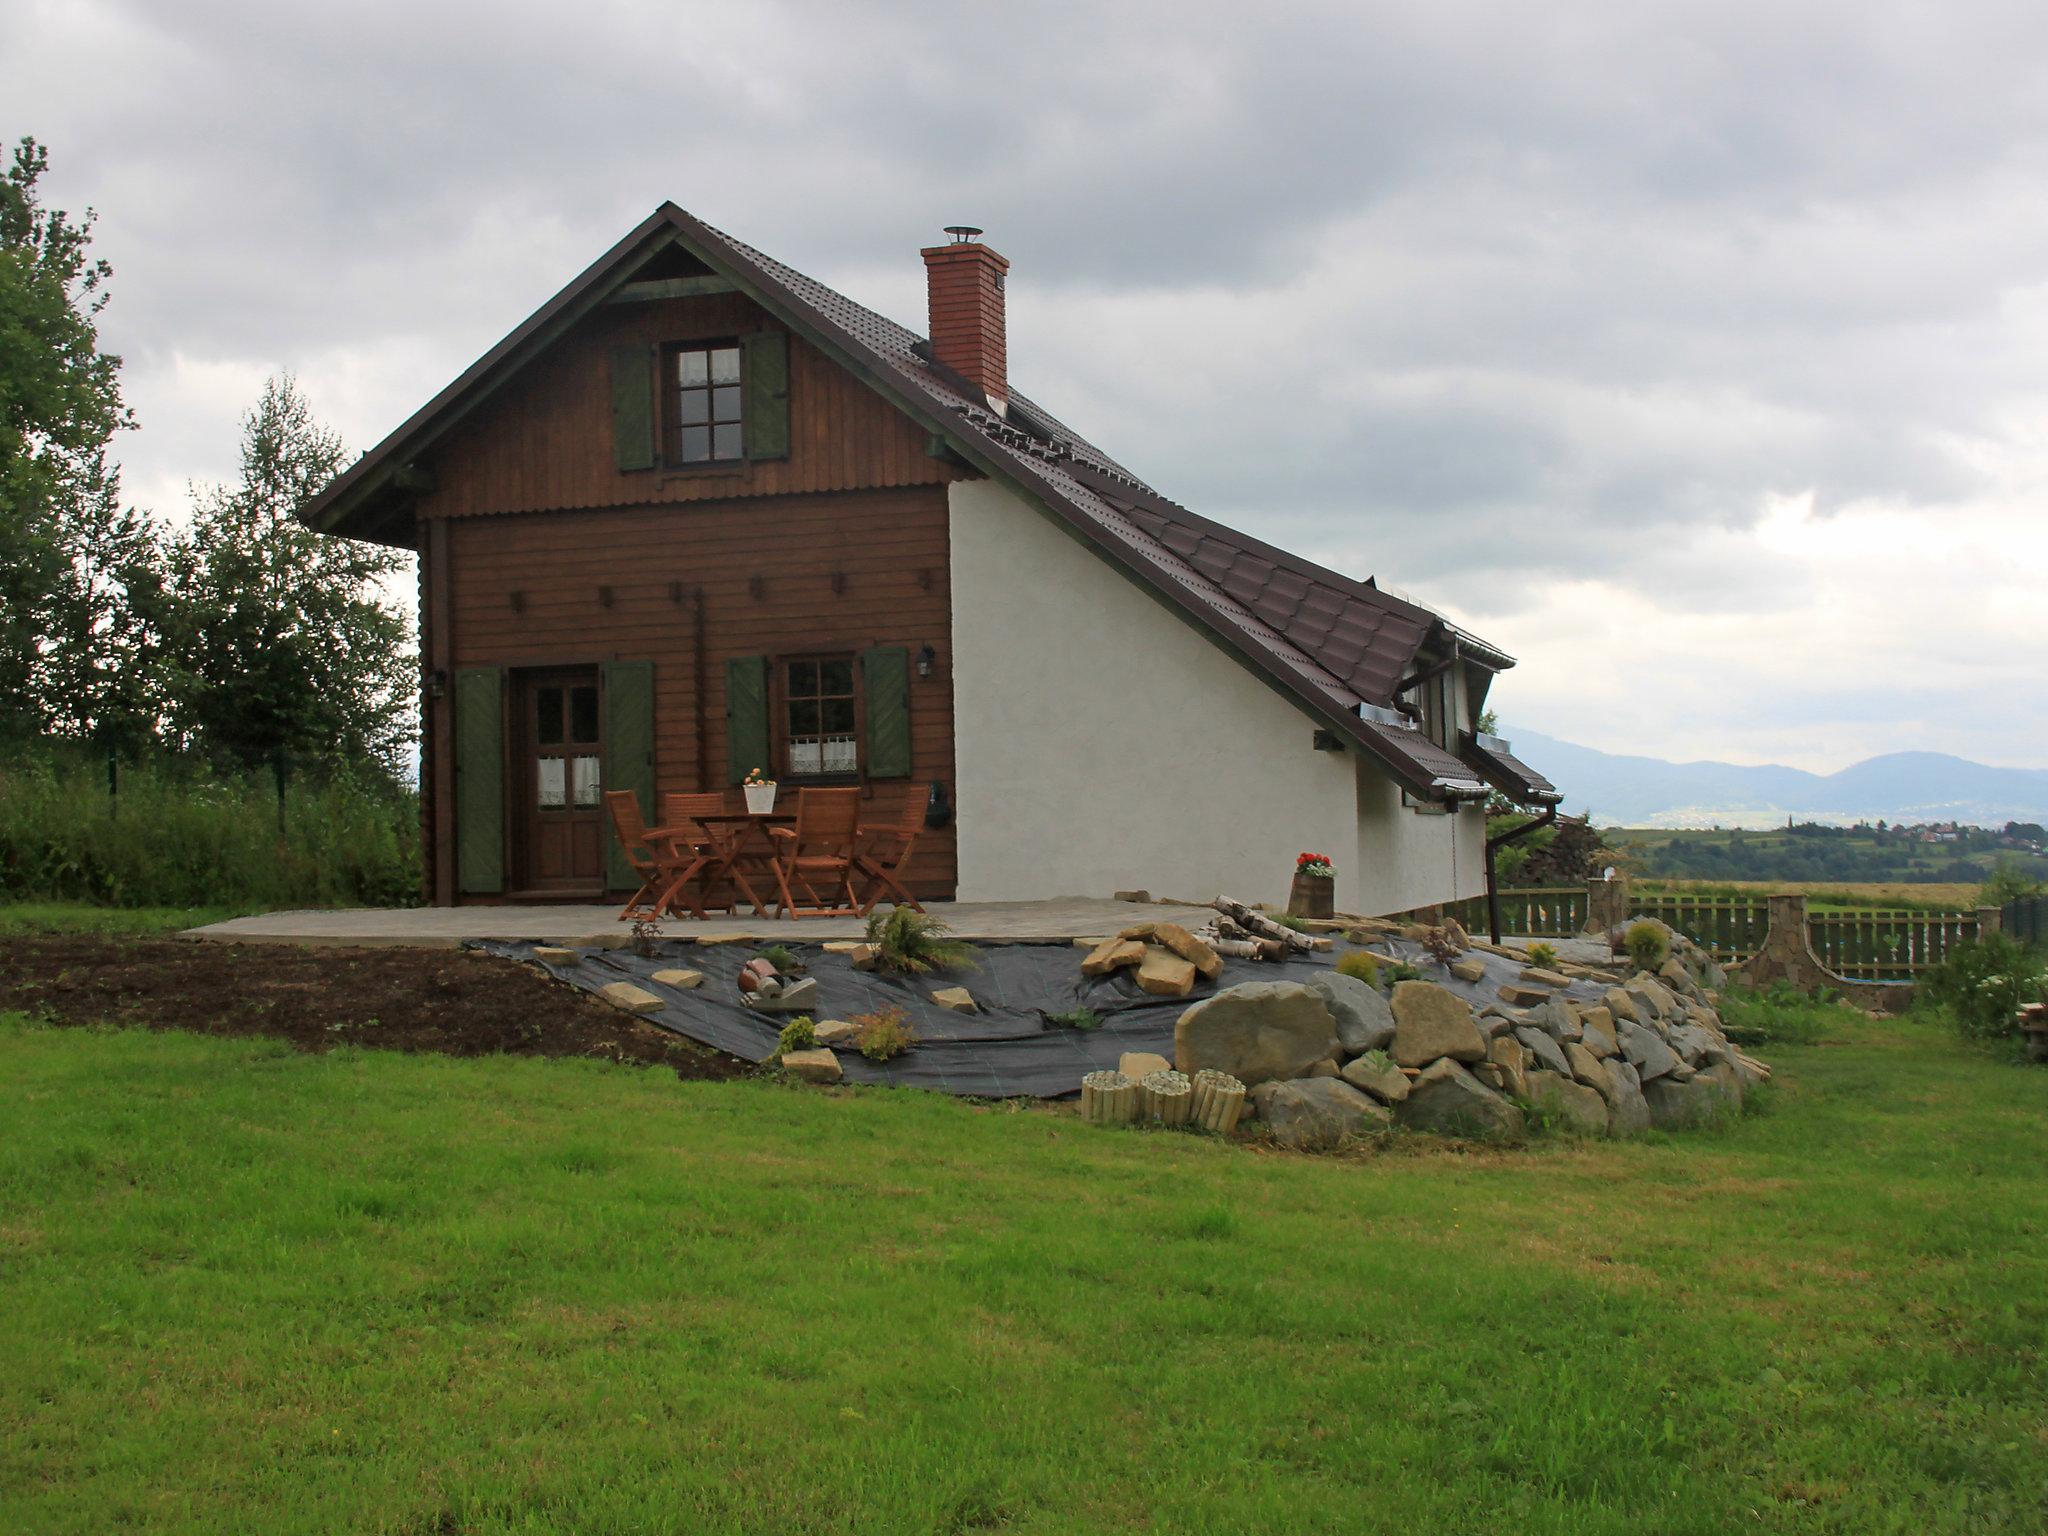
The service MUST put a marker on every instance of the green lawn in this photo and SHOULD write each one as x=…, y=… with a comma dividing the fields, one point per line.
x=251, y=1290
x=84, y=917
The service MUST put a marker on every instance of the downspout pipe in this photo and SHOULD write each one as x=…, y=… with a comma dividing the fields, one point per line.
x=1501, y=840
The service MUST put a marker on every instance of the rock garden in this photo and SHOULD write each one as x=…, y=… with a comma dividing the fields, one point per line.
x=1307, y=1034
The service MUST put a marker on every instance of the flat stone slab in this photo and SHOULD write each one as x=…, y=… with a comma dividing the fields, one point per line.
x=679, y=978
x=628, y=998
x=815, y=1066
x=556, y=954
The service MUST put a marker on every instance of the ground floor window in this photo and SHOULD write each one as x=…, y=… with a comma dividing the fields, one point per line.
x=821, y=709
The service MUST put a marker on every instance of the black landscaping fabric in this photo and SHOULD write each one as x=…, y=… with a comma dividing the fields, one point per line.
x=1007, y=1048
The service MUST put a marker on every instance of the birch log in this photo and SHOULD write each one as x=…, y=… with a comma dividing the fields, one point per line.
x=1262, y=925
x=1108, y=1098
x=1219, y=1101
x=1169, y=1096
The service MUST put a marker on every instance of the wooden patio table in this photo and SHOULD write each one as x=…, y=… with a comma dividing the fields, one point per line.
x=747, y=850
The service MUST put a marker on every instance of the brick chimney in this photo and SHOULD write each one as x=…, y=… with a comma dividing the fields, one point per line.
x=965, y=282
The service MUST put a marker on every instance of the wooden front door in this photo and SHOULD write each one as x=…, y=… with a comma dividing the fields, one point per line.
x=561, y=819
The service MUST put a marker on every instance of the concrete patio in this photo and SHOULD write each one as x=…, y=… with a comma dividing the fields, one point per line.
x=449, y=927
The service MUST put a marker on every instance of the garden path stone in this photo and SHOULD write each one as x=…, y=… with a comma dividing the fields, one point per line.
x=630, y=998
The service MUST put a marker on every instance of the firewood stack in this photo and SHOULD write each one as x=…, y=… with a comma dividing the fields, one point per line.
x=1244, y=933
x=1164, y=957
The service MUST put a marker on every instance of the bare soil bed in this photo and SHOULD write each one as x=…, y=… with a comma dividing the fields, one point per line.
x=452, y=1002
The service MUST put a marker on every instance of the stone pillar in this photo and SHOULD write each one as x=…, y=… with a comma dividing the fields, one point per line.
x=1606, y=905
x=1990, y=920
x=1788, y=954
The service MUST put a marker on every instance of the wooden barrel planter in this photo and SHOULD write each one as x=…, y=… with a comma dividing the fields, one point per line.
x=1312, y=896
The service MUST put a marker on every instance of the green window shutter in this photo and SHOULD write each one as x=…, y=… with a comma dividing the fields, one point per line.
x=885, y=671
x=632, y=408
x=480, y=780
x=746, y=717
x=765, y=416
x=628, y=752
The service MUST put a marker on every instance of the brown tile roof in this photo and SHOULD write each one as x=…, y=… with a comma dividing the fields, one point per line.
x=1336, y=644
x=1492, y=761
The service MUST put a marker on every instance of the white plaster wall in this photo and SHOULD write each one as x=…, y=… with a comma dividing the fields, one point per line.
x=1408, y=858
x=1102, y=743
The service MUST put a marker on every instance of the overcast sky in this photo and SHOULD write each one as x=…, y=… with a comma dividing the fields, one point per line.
x=1696, y=355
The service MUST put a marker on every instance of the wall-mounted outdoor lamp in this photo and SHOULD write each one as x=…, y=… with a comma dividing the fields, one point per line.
x=926, y=659
x=437, y=683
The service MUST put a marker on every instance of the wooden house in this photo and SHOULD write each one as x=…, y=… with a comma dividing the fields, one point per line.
x=701, y=514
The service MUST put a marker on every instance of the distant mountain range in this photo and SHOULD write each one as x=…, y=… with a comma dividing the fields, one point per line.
x=1900, y=786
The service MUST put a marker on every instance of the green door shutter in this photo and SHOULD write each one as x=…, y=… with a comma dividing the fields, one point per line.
x=480, y=780
x=632, y=408
x=765, y=419
x=885, y=670
x=746, y=717
x=628, y=752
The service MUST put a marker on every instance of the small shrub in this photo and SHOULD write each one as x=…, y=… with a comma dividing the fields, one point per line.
x=1399, y=970
x=1981, y=985
x=1543, y=956
x=1361, y=964
x=1080, y=1018
x=1289, y=920
x=799, y=1034
x=779, y=956
x=1379, y=1061
x=1442, y=944
x=1646, y=945
x=911, y=943
x=646, y=937
x=884, y=1034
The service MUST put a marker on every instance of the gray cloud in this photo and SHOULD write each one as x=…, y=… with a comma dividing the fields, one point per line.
x=1484, y=298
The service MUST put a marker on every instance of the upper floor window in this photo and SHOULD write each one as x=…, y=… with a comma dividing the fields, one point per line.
x=704, y=403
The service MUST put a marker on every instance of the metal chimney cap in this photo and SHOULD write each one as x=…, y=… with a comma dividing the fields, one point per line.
x=963, y=233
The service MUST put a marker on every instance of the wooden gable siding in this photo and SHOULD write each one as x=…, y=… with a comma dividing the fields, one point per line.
x=544, y=441
x=888, y=548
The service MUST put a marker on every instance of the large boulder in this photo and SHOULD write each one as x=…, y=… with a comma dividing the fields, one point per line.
x=1646, y=1051
x=1691, y=1041
x=1557, y=1019
x=1512, y=1058
x=1430, y=1023
x=1678, y=1106
x=1379, y=1077
x=1449, y=1100
x=1548, y=1053
x=1256, y=1032
x=1596, y=1026
x=1626, y=1108
x=1576, y=1105
x=1364, y=1019
x=1318, y=1112
x=1585, y=1065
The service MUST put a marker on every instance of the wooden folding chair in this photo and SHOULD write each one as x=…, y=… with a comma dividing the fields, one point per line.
x=654, y=860
x=818, y=848
x=709, y=847
x=881, y=854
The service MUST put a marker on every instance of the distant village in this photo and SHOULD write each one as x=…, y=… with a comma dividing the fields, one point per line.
x=1931, y=852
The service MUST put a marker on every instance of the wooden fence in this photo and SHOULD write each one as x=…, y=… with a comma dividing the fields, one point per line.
x=1869, y=945
x=1877, y=945
x=2027, y=920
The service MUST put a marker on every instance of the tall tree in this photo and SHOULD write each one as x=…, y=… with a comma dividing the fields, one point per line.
x=98, y=672
x=280, y=640
x=60, y=405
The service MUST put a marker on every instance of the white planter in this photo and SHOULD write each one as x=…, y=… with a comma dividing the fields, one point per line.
x=760, y=799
